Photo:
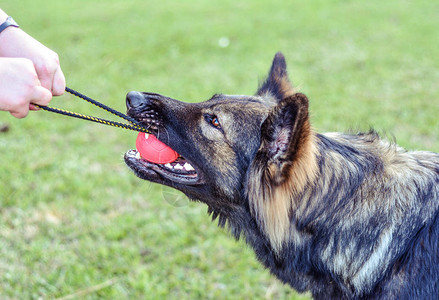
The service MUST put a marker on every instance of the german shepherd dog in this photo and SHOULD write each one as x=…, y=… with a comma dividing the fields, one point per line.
x=344, y=216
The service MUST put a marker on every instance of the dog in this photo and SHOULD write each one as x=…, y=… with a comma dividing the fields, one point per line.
x=344, y=216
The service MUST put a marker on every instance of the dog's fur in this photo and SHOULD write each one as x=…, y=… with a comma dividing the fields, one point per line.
x=343, y=216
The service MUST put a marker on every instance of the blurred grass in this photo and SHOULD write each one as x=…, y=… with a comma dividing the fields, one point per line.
x=76, y=223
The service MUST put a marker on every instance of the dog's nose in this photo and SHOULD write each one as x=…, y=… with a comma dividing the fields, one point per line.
x=135, y=99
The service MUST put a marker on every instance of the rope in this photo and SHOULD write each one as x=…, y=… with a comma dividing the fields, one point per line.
x=135, y=125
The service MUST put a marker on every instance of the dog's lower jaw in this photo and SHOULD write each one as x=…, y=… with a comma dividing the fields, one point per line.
x=159, y=173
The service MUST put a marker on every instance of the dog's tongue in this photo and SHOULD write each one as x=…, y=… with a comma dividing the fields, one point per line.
x=152, y=150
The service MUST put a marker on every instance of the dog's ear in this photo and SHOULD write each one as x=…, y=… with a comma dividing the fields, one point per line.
x=283, y=134
x=277, y=84
x=282, y=167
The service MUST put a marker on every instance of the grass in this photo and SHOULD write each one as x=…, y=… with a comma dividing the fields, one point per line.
x=75, y=223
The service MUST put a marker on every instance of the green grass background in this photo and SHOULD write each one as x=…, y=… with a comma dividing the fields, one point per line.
x=75, y=223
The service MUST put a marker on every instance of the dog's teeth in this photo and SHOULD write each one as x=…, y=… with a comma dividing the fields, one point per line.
x=178, y=167
x=188, y=167
x=138, y=155
x=168, y=165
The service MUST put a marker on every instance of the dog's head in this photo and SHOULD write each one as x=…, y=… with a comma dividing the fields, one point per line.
x=232, y=147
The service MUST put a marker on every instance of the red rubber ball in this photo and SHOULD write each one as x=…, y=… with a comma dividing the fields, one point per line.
x=153, y=150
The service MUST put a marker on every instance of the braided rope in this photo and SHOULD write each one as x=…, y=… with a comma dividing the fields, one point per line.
x=136, y=126
x=93, y=119
x=103, y=106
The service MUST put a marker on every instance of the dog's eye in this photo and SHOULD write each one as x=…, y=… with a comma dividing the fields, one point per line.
x=213, y=120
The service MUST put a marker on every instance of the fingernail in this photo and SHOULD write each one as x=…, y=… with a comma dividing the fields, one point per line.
x=33, y=107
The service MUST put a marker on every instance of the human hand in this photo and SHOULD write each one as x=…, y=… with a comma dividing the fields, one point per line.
x=14, y=42
x=19, y=87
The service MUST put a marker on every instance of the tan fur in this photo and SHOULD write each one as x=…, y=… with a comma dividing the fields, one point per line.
x=273, y=209
x=351, y=215
x=285, y=87
x=220, y=150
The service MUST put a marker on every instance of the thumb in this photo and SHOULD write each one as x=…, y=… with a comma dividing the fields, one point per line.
x=41, y=96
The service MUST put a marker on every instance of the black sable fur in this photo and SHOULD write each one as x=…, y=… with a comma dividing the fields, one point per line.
x=345, y=216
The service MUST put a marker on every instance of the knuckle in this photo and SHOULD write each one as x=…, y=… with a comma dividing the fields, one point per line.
x=53, y=62
x=27, y=64
x=22, y=101
x=47, y=66
x=44, y=69
x=31, y=82
x=56, y=58
x=29, y=74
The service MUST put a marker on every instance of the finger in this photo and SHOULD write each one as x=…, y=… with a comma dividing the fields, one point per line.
x=33, y=107
x=59, y=83
x=21, y=112
x=41, y=96
x=45, y=77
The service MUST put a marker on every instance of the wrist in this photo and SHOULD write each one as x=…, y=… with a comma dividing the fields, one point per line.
x=7, y=24
x=8, y=32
